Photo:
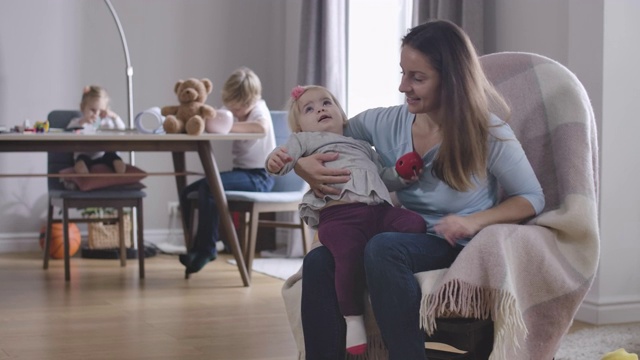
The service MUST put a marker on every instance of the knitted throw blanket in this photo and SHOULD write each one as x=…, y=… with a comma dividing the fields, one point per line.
x=529, y=279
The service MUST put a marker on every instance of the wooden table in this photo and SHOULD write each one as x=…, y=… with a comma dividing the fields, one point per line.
x=177, y=144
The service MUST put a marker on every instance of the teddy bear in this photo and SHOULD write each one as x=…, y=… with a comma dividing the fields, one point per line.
x=192, y=113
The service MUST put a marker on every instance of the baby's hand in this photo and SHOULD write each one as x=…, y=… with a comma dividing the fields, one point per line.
x=278, y=159
x=85, y=121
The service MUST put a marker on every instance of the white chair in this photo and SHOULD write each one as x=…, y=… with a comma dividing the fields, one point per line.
x=285, y=196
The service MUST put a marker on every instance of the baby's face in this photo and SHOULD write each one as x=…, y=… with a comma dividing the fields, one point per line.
x=318, y=112
x=92, y=108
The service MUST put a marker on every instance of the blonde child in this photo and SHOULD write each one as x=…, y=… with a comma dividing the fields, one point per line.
x=96, y=115
x=242, y=95
x=345, y=222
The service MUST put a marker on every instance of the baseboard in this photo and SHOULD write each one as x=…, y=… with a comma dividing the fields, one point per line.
x=19, y=242
x=29, y=242
x=604, y=313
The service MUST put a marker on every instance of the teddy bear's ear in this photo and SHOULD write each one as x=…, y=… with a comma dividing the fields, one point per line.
x=175, y=88
x=207, y=85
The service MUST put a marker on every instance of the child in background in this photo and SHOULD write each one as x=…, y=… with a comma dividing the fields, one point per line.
x=363, y=209
x=242, y=96
x=97, y=115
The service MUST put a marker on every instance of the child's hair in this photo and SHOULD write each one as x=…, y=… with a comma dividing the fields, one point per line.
x=242, y=87
x=93, y=92
x=294, y=111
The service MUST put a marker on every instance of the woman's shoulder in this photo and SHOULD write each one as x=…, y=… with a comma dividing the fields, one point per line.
x=499, y=129
x=384, y=112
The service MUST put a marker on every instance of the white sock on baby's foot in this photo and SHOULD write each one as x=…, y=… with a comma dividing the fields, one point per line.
x=356, y=335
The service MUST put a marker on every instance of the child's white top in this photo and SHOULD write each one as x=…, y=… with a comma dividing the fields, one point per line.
x=251, y=154
x=100, y=124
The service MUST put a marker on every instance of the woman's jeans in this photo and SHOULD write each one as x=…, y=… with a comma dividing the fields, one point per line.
x=257, y=180
x=391, y=259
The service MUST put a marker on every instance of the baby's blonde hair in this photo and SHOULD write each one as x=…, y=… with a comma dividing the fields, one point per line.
x=294, y=111
x=93, y=92
x=242, y=87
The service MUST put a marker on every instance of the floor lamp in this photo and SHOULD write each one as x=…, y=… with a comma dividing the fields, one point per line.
x=129, y=73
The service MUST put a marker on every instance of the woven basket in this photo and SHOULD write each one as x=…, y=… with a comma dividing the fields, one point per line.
x=104, y=235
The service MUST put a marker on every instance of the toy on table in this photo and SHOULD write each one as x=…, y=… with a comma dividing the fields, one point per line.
x=41, y=126
x=192, y=113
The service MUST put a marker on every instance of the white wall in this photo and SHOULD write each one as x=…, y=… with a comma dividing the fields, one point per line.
x=50, y=49
x=617, y=295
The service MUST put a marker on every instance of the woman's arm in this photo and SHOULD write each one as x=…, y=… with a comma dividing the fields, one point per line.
x=510, y=211
x=248, y=127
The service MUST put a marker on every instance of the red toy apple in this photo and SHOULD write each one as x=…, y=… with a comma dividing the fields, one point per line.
x=409, y=164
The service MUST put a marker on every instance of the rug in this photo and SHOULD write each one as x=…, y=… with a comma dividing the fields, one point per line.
x=592, y=343
x=589, y=343
x=280, y=268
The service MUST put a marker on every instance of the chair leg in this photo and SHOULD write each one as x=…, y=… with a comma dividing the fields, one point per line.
x=65, y=231
x=305, y=237
x=123, y=250
x=47, y=237
x=246, y=221
x=253, y=237
x=140, y=226
x=243, y=235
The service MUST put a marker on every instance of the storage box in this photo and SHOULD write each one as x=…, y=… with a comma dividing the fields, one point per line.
x=105, y=234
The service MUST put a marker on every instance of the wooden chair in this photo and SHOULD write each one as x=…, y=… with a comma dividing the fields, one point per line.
x=64, y=199
x=285, y=196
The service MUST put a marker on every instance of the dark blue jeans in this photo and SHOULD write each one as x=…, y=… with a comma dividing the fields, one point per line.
x=390, y=261
x=208, y=218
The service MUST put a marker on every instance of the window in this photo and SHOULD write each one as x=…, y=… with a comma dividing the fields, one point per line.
x=375, y=28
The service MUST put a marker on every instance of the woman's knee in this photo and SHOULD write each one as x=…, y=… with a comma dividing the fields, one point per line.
x=381, y=249
x=318, y=263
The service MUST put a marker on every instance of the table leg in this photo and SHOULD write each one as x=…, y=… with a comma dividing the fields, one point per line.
x=215, y=183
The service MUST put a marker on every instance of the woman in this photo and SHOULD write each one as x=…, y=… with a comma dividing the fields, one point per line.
x=468, y=152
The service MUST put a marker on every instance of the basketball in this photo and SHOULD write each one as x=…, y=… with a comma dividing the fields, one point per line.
x=56, y=248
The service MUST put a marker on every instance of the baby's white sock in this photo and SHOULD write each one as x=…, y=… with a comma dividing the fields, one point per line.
x=356, y=335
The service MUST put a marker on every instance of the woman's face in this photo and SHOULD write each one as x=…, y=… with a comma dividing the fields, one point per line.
x=420, y=82
x=318, y=112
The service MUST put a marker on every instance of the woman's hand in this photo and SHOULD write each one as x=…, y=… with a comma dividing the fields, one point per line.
x=318, y=176
x=454, y=228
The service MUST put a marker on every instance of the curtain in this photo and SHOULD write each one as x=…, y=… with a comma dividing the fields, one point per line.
x=468, y=14
x=323, y=46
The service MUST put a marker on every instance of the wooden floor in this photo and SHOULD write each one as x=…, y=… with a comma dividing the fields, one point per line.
x=107, y=312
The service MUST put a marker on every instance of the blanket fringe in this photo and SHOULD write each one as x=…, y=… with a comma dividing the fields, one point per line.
x=459, y=299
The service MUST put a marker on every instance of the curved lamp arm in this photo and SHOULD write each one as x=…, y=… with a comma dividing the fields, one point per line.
x=129, y=72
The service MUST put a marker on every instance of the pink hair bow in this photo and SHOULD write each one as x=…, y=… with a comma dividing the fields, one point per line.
x=297, y=91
